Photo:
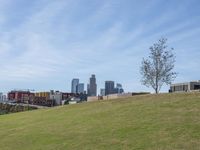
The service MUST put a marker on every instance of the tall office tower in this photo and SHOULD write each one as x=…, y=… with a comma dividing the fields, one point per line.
x=109, y=87
x=92, y=86
x=119, y=88
x=80, y=88
x=75, y=83
x=102, y=92
x=1, y=97
x=118, y=85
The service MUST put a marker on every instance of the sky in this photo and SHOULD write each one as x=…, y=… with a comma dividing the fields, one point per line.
x=44, y=44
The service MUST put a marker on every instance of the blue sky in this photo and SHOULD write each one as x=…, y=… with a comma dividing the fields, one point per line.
x=46, y=43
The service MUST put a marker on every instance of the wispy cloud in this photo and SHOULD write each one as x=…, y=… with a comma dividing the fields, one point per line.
x=65, y=39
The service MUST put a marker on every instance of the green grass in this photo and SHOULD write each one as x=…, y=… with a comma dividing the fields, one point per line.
x=150, y=122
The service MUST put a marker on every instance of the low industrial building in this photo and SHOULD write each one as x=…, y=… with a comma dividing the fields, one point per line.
x=57, y=96
x=185, y=87
x=52, y=98
x=42, y=101
x=20, y=96
x=43, y=94
x=115, y=96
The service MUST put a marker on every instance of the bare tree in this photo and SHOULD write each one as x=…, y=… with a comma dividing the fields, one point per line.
x=157, y=69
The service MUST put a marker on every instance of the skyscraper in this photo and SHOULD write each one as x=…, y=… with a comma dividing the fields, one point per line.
x=80, y=88
x=92, y=86
x=1, y=97
x=119, y=88
x=102, y=92
x=109, y=87
x=75, y=83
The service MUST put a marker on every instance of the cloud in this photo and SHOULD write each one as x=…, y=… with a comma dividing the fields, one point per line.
x=28, y=48
x=66, y=38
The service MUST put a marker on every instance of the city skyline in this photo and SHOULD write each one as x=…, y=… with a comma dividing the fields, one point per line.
x=44, y=44
x=91, y=90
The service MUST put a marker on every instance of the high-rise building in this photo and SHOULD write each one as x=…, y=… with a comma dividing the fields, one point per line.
x=118, y=85
x=74, y=85
x=109, y=87
x=80, y=88
x=119, y=88
x=92, y=86
x=1, y=97
x=102, y=92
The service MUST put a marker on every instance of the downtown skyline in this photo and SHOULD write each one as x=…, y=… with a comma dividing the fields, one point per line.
x=44, y=44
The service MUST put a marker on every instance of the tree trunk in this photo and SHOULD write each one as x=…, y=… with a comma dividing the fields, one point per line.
x=156, y=90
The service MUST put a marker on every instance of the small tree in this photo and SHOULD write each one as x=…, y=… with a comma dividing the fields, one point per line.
x=157, y=68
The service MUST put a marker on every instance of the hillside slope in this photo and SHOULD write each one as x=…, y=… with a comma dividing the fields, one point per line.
x=164, y=122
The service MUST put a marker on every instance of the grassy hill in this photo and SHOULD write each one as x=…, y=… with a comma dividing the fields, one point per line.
x=151, y=122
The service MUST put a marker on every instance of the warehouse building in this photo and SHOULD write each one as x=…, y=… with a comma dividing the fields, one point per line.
x=185, y=87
